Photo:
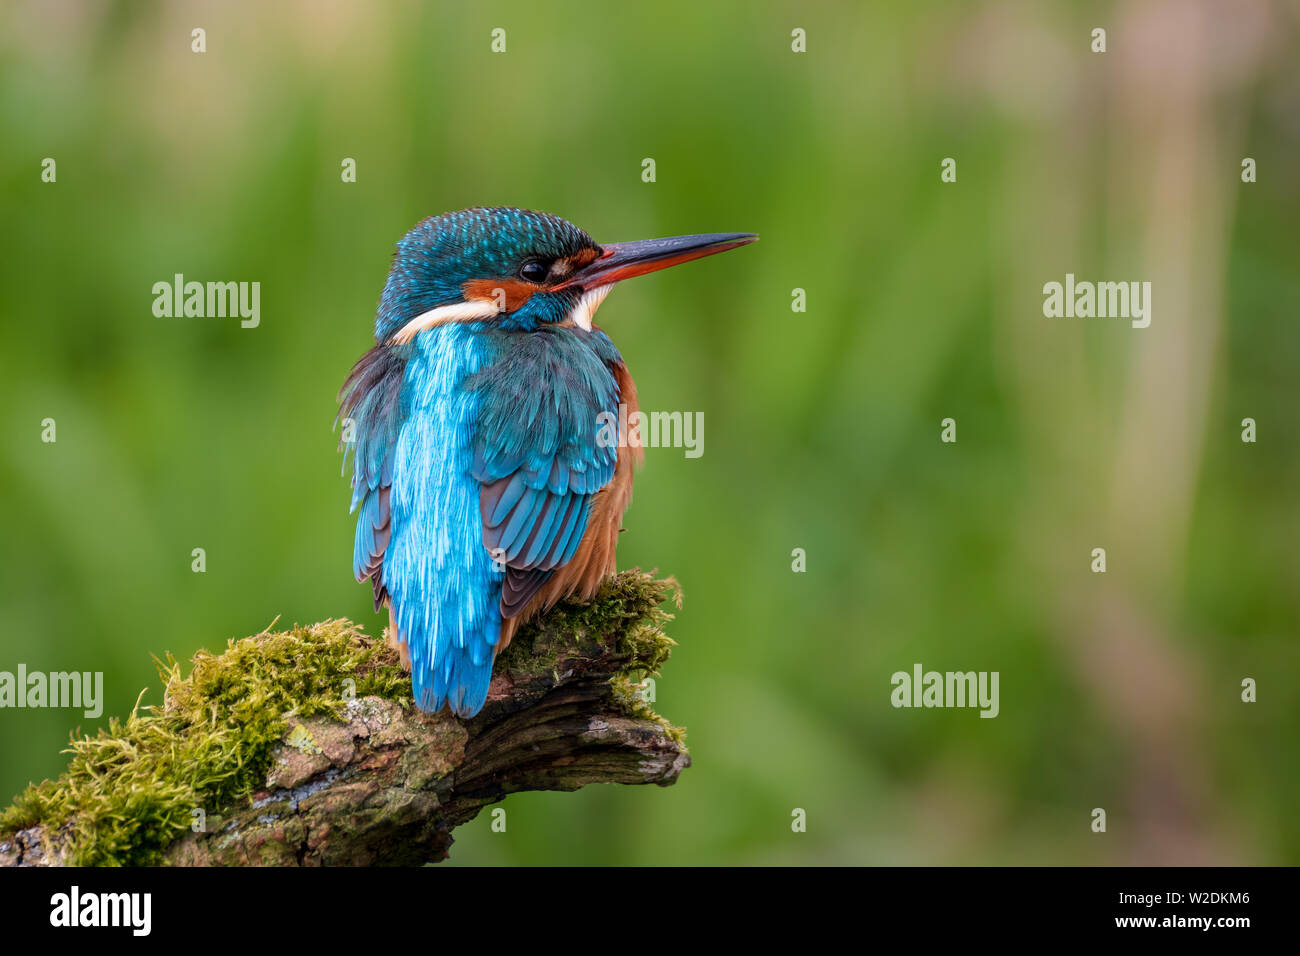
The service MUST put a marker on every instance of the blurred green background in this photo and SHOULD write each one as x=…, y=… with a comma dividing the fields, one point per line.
x=924, y=301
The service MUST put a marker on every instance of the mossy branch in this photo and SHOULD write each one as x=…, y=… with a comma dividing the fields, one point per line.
x=303, y=747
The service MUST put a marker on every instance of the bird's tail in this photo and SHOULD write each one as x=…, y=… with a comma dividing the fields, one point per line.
x=454, y=668
x=461, y=681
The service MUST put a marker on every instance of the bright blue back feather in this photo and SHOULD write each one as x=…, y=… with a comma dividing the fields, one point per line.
x=441, y=579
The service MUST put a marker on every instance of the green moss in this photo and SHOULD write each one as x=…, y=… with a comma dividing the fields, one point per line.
x=628, y=605
x=129, y=791
x=630, y=695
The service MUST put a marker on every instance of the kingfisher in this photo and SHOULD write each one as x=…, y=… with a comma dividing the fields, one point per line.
x=485, y=485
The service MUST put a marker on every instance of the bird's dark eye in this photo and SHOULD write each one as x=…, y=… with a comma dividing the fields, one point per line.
x=533, y=271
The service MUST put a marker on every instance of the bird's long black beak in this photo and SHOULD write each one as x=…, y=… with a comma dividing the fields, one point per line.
x=624, y=260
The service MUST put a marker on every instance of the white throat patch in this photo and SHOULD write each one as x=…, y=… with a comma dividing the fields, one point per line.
x=585, y=310
x=470, y=310
x=475, y=310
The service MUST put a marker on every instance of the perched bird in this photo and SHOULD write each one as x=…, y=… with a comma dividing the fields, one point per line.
x=483, y=490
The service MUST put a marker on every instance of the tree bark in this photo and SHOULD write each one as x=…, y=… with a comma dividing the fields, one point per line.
x=387, y=785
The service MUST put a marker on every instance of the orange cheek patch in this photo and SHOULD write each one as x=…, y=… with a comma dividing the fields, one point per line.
x=516, y=291
x=582, y=257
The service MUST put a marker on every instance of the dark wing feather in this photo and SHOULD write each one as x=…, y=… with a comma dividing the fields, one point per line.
x=538, y=453
x=370, y=410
